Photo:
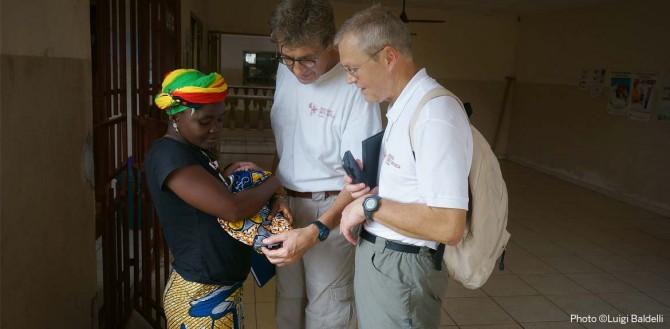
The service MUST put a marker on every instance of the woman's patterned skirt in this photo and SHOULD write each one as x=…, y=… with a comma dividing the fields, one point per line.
x=194, y=305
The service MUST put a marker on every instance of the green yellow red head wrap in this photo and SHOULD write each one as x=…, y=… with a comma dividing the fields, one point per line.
x=189, y=88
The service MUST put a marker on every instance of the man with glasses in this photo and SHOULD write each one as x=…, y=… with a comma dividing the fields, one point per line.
x=316, y=117
x=422, y=192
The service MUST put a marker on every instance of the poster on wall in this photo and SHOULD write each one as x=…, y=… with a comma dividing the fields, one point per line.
x=619, y=95
x=592, y=80
x=641, y=98
x=583, y=80
x=664, y=103
x=597, y=83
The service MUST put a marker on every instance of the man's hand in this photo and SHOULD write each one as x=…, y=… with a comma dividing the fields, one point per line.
x=351, y=217
x=360, y=189
x=295, y=243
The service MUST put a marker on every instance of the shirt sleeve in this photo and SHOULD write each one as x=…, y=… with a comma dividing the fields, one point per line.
x=170, y=157
x=443, y=149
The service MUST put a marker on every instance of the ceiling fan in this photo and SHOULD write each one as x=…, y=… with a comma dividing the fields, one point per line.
x=403, y=17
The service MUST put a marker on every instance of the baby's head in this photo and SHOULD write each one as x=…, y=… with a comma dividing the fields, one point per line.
x=237, y=166
x=230, y=168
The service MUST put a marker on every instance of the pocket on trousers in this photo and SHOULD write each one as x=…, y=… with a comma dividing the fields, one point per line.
x=342, y=305
x=394, y=294
x=343, y=292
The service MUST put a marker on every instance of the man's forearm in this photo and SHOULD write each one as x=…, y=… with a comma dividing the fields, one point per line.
x=421, y=221
x=333, y=215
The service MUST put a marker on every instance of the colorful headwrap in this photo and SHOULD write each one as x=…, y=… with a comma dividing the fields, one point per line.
x=189, y=88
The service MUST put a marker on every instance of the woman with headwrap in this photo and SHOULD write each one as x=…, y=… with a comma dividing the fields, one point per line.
x=204, y=288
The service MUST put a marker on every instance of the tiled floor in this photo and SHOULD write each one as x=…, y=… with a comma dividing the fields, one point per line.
x=573, y=253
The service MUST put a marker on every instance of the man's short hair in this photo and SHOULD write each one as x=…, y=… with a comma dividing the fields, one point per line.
x=299, y=23
x=375, y=28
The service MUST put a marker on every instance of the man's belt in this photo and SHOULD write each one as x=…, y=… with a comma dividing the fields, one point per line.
x=308, y=195
x=401, y=247
x=410, y=249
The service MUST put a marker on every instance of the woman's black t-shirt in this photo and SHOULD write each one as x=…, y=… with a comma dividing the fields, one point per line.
x=203, y=252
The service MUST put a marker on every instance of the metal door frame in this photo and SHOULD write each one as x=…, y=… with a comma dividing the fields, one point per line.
x=134, y=43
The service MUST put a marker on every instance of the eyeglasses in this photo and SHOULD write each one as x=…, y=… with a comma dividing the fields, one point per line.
x=290, y=62
x=353, y=71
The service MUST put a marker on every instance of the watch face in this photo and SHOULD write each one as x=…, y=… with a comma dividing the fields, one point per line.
x=323, y=234
x=370, y=203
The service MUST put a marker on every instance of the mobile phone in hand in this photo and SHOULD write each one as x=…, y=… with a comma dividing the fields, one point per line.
x=351, y=168
x=258, y=243
x=273, y=246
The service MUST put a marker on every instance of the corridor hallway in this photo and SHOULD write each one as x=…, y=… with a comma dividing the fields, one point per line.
x=572, y=252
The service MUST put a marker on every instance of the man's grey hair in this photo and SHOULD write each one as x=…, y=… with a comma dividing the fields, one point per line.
x=299, y=23
x=377, y=27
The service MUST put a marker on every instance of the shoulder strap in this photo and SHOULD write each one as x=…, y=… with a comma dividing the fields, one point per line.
x=435, y=92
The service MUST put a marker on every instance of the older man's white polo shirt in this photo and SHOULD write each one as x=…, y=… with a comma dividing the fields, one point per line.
x=443, y=146
x=315, y=124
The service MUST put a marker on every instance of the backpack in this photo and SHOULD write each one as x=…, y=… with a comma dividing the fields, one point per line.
x=472, y=260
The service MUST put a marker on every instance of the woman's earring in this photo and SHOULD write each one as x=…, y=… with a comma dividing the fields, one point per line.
x=174, y=125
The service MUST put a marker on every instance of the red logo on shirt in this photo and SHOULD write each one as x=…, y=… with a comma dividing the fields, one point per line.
x=389, y=160
x=320, y=111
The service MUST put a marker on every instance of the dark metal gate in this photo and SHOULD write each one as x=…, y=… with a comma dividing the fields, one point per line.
x=134, y=43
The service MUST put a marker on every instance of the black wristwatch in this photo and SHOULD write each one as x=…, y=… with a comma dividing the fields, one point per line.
x=370, y=205
x=323, y=230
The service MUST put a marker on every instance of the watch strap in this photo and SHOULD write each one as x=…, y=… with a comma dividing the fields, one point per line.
x=323, y=229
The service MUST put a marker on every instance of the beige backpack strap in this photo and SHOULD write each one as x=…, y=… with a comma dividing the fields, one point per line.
x=435, y=92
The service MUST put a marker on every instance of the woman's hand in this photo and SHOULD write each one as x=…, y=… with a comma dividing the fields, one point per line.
x=280, y=204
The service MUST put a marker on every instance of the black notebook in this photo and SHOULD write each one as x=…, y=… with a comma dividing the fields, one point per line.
x=371, y=149
x=261, y=268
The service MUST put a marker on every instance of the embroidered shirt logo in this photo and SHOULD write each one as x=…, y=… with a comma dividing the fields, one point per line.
x=389, y=159
x=320, y=111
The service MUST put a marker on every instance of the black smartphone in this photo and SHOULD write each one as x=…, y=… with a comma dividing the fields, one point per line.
x=351, y=168
x=273, y=246
x=258, y=243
